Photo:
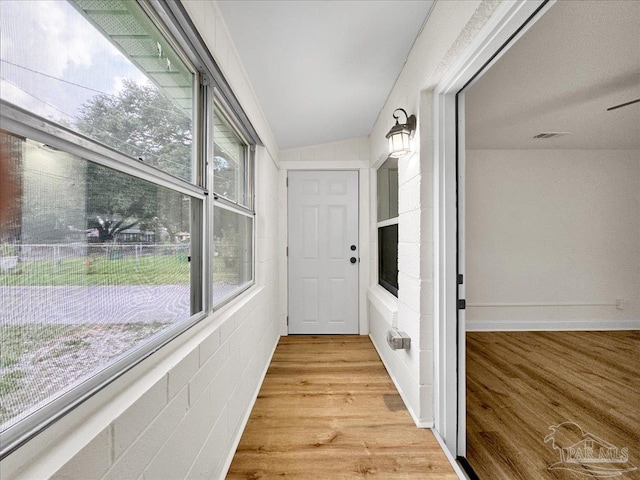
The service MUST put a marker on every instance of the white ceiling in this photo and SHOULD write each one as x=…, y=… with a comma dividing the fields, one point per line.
x=322, y=70
x=579, y=59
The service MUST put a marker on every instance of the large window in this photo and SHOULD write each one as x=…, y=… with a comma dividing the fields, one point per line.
x=232, y=260
x=388, y=225
x=94, y=263
x=103, y=198
x=103, y=70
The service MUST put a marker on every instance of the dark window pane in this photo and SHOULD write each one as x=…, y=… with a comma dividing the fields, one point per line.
x=388, y=258
x=93, y=265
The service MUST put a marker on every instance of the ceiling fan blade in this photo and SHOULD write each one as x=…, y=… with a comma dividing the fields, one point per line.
x=623, y=104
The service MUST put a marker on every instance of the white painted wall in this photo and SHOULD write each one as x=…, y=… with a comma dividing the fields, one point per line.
x=550, y=227
x=180, y=413
x=350, y=154
x=451, y=27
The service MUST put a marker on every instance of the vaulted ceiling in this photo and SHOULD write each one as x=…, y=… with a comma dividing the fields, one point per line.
x=322, y=70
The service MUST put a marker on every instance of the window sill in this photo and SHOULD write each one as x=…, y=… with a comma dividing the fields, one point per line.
x=385, y=303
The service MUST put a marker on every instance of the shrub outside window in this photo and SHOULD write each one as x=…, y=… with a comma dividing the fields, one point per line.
x=388, y=225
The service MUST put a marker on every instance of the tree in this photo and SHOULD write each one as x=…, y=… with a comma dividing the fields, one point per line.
x=143, y=123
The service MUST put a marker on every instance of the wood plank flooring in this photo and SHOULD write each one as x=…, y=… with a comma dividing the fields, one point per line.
x=328, y=410
x=521, y=383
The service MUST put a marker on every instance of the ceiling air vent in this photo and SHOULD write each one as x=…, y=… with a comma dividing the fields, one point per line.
x=550, y=134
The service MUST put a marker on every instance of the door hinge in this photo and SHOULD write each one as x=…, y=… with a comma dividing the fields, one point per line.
x=287, y=251
x=287, y=181
x=460, y=279
x=287, y=320
x=462, y=304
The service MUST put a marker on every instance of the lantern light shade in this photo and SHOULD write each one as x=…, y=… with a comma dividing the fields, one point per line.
x=400, y=135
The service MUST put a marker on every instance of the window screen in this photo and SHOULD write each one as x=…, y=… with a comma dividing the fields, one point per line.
x=101, y=69
x=101, y=252
x=95, y=249
x=233, y=252
x=93, y=264
x=231, y=162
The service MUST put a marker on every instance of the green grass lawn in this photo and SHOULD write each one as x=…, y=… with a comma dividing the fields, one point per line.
x=101, y=270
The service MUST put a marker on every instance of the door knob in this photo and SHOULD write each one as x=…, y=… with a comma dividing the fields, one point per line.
x=353, y=260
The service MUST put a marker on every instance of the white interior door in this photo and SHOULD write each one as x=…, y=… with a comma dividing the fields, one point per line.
x=323, y=252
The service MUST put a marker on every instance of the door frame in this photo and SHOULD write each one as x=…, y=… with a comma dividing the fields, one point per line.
x=353, y=182
x=363, y=169
x=507, y=24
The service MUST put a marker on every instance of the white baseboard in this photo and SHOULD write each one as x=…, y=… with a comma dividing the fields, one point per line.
x=405, y=399
x=245, y=420
x=550, y=325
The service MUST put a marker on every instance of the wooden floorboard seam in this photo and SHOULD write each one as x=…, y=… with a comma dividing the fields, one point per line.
x=328, y=409
x=520, y=384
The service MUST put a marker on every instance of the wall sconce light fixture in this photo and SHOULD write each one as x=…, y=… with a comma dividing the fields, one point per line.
x=400, y=134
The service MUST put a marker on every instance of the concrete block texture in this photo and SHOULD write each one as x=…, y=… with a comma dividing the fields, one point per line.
x=210, y=459
x=176, y=456
x=92, y=461
x=203, y=377
x=409, y=198
x=137, y=418
x=137, y=457
x=182, y=373
x=409, y=255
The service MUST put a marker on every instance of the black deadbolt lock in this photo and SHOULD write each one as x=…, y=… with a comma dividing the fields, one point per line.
x=353, y=248
x=353, y=260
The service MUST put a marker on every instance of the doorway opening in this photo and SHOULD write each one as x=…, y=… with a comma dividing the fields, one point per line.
x=549, y=246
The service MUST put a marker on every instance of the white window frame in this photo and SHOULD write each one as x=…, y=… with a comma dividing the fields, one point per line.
x=216, y=201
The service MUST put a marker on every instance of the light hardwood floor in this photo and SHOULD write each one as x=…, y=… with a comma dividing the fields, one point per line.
x=521, y=383
x=328, y=410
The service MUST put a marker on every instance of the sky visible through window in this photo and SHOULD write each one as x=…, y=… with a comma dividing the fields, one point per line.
x=54, y=61
x=103, y=70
